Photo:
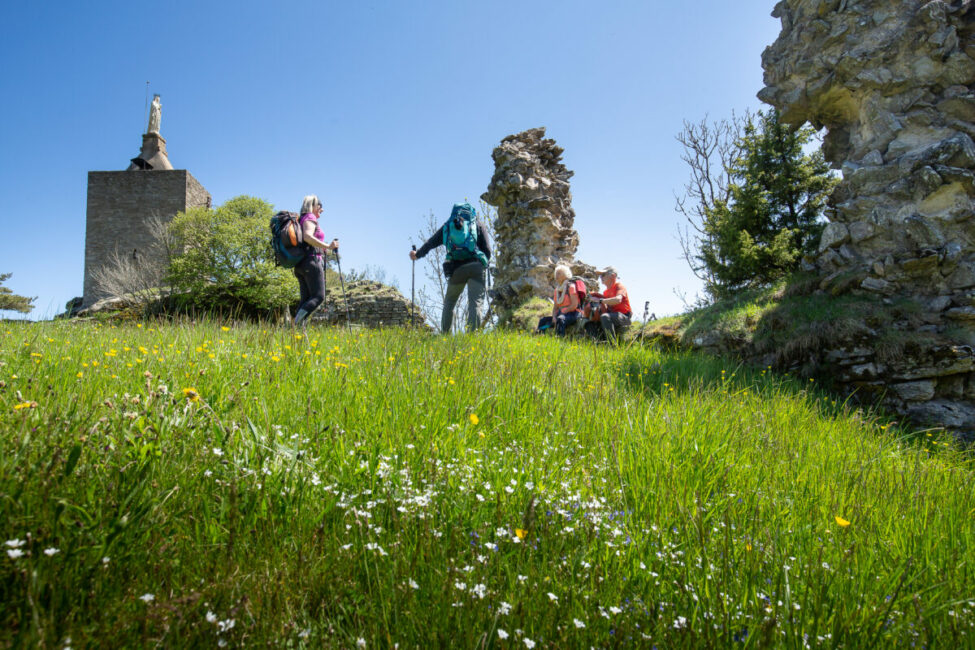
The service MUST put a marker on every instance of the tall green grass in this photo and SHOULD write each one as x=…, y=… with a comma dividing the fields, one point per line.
x=206, y=484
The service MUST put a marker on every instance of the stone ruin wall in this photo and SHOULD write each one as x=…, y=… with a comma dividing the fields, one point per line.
x=371, y=304
x=534, y=227
x=893, y=82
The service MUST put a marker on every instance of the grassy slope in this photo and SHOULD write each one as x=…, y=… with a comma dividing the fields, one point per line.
x=394, y=487
x=790, y=320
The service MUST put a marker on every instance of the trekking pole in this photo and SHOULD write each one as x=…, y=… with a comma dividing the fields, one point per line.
x=487, y=316
x=345, y=297
x=413, y=294
x=325, y=286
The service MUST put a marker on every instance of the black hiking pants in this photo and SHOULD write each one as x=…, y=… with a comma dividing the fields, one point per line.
x=311, y=282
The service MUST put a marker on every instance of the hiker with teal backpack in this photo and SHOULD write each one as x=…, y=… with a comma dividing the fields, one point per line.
x=468, y=251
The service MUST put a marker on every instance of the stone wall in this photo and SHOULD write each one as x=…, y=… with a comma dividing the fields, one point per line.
x=120, y=203
x=893, y=82
x=534, y=227
x=371, y=304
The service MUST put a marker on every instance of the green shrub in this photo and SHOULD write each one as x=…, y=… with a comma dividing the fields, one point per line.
x=525, y=317
x=223, y=261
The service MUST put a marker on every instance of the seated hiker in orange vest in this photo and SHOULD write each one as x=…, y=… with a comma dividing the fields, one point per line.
x=617, y=303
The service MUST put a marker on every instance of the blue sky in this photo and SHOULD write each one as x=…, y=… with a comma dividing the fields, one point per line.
x=386, y=110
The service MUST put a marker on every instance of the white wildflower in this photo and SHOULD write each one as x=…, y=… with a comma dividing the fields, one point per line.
x=15, y=553
x=360, y=642
x=553, y=597
x=502, y=634
x=15, y=543
x=504, y=608
x=578, y=623
x=529, y=643
x=147, y=598
x=51, y=552
x=217, y=451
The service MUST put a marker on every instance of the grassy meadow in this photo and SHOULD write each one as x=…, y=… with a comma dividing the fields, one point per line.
x=219, y=484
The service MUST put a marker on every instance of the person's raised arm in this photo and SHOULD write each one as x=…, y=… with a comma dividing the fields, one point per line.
x=308, y=234
x=436, y=239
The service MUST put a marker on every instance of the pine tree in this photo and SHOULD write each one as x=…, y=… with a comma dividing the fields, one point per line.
x=772, y=214
x=11, y=301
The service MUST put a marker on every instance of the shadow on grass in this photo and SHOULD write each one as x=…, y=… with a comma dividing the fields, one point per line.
x=654, y=374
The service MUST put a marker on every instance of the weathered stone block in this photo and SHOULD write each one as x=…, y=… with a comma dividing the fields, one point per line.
x=945, y=413
x=834, y=235
x=962, y=277
x=860, y=230
x=961, y=313
x=914, y=391
x=877, y=285
x=951, y=387
x=921, y=266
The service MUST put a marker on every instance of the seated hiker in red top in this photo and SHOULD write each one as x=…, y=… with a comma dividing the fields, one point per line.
x=617, y=302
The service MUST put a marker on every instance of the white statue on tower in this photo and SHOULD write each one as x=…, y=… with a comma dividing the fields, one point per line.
x=155, y=115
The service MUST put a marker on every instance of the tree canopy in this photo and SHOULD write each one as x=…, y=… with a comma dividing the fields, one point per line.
x=9, y=301
x=221, y=257
x=769, y=212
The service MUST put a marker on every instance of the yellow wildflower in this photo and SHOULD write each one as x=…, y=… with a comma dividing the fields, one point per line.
x=521, y=532
x=841, y=522
x=225, y=328
x=191, y=394
x=25, y=405
x=473, y=419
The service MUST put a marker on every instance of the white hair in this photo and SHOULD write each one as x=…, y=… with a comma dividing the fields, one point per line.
x=562, y=269
x=309, y=203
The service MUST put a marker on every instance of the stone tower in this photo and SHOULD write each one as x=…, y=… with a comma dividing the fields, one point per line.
x=120, y=203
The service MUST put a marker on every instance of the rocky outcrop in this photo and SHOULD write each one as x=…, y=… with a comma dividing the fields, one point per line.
x=893, y=82
x=371, y=304
x=534, y=227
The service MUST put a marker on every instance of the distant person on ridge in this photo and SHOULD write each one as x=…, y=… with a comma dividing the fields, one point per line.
x=616, y=300
x=468, y=251
x=310, y=271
